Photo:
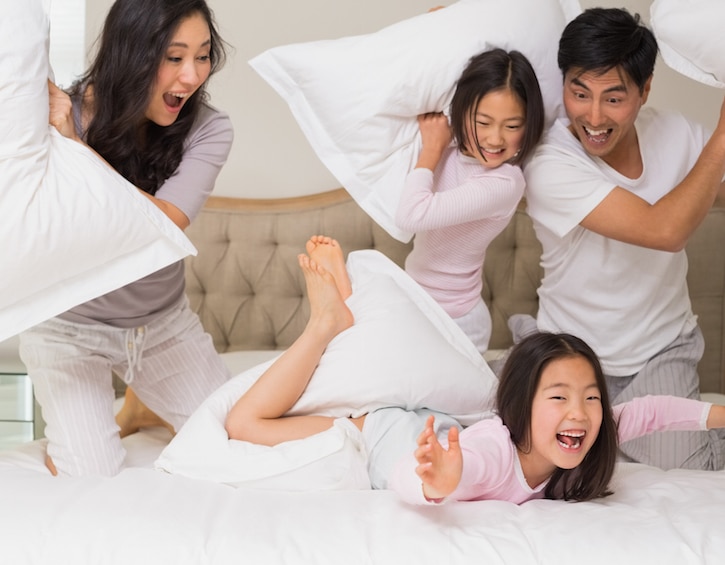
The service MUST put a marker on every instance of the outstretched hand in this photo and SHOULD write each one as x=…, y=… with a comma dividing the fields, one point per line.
x=439, y=469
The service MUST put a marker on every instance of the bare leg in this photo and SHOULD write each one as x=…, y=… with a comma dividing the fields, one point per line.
x=327, y=252
x=258, y=416
x=135, y=415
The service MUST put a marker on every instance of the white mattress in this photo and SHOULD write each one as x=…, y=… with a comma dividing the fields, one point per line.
x=145, y=516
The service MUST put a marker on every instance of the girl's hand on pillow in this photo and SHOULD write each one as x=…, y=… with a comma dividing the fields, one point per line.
x=435, y=134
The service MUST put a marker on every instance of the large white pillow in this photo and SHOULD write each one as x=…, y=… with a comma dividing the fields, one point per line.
x=691, y=37
x=403, y=350
x=357, y=98
x=72, y=228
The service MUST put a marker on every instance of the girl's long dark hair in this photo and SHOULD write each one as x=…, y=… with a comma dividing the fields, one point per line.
x=515, y=396
x=131, y=48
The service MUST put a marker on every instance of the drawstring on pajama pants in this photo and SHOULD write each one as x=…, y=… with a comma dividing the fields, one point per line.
x=135, y=338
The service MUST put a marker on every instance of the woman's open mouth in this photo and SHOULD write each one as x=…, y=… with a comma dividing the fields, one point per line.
x=173, y=100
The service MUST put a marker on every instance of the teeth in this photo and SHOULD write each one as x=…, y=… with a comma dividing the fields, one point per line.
x=576, y=439
x=572, y=434
x=596, y=132
x=178, y=95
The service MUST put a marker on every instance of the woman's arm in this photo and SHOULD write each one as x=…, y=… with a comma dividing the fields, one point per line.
x=171, y=211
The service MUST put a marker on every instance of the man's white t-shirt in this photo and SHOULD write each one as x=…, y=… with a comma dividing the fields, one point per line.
x=627, y=302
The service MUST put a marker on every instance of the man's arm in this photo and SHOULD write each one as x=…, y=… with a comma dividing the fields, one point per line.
x=667, y=224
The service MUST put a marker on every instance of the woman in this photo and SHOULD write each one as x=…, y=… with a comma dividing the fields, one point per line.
x=142, y=107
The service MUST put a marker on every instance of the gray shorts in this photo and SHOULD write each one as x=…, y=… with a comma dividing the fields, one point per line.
x=391, y=433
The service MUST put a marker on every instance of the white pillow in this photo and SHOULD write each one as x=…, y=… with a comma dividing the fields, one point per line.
x=357, y=98
x=73, y=229
x=403, y=350
x=691, y=37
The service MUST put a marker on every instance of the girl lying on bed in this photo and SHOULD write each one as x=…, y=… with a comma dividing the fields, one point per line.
x=555, y=434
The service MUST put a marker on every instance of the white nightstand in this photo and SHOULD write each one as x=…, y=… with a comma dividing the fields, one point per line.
x=17, y=406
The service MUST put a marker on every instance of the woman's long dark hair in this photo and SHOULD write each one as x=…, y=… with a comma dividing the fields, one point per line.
x=131, y=48
x=519, y=380
x=492, y=71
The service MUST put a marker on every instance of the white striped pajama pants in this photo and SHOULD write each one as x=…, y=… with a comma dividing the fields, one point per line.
x=171, y=364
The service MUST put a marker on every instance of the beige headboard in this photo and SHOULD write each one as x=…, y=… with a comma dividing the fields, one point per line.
x=249, y=292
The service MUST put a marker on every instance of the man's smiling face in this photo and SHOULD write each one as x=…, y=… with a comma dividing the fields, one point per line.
x=602, y=109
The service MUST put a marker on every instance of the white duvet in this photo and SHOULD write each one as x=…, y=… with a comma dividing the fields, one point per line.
x=143, y=516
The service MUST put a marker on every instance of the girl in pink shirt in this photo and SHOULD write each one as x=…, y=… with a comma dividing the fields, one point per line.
x=555, y=435
x=461, y=195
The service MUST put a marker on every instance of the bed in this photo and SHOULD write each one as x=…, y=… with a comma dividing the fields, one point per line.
x=251, y=300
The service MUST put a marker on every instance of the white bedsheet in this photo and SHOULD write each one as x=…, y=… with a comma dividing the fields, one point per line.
x=143, y=516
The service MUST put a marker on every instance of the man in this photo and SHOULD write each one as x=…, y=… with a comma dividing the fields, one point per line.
x=614, y=193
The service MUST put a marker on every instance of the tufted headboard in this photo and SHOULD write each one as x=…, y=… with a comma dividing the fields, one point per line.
x=248, y=291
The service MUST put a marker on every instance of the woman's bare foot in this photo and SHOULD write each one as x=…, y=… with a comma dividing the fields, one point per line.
x=327, y=252
x=329, y=315
x=135, y=415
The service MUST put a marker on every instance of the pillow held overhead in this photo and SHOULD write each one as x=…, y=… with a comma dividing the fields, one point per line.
x=73, y=229
x=356, y=99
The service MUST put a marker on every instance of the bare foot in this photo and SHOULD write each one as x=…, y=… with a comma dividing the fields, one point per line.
x=329, y=315
x=135, y=415
x=327, y=252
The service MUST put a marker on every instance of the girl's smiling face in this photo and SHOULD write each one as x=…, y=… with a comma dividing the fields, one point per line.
x=499, y=121
x=185, y=67
x=566, y=416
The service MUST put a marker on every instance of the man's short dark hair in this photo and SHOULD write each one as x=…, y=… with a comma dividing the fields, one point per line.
x=601, y=39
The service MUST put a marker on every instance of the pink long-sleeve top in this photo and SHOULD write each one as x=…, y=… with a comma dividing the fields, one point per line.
x=491, y=467
x=455, y=213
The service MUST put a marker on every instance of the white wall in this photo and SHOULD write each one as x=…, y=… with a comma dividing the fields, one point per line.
x=271, y=158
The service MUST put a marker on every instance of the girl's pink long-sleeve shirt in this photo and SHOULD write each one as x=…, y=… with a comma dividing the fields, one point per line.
x=455, y=213
x=491, y=467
